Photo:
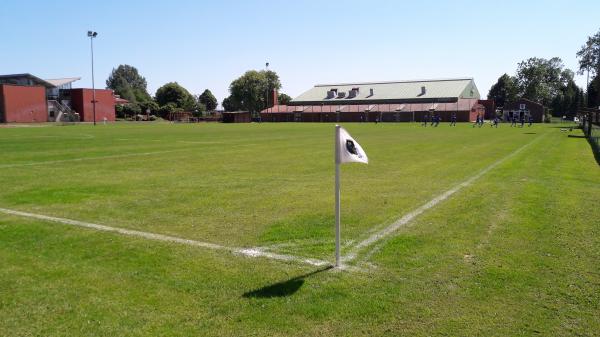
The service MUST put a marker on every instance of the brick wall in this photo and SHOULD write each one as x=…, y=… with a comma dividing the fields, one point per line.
x=81, y=102
x=23, y=104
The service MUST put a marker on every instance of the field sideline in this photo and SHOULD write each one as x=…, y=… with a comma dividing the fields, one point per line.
x=513, y=249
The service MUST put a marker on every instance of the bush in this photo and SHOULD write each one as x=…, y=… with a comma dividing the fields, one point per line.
x=149, y=105
x=166, y=109
x=119, y=111
x=70, y=117
x=131, y=109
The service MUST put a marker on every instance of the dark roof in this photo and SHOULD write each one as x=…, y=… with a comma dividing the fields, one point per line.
x=32, y=80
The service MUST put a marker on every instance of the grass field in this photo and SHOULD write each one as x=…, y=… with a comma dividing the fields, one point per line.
x=516, y=251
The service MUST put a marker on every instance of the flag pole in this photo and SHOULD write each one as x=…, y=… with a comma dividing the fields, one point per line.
x=337, y=196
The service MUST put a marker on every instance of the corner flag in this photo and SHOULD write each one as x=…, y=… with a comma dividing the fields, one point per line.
x=350, y=150
x=347, y=150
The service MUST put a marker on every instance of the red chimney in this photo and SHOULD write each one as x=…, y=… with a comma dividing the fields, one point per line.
x=274, y=97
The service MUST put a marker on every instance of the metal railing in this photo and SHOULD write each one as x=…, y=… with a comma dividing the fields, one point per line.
x=590, y=123
x=65, y=113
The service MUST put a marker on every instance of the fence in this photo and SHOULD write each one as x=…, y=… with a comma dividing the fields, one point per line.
x=590, y=122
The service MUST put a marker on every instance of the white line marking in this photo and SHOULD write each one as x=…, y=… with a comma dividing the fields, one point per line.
x=170, y=141
x=387, y=231
x=248, y=252
x=197, y=142
x=76, y=137
x=91, y=158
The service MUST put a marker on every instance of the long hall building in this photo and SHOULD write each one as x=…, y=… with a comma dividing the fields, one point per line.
x=399, y=101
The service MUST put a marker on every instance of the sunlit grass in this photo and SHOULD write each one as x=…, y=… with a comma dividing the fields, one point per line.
x=514, y=254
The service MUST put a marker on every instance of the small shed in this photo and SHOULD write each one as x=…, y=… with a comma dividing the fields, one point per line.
x=236, y=117
x=524, y=108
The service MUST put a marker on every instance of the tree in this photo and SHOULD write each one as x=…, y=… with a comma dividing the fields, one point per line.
x=208, y=100
x=541, y=80
x=594, y=92
x=131, y=110
x=167, y=109
x=568, y=100
x=120, y=111
x=589, y=55
x=229, y=104
x=149, y=105
x=284, y=99
x=250, y=91
x=504, y=91
x=172, y=92
x=126, y=82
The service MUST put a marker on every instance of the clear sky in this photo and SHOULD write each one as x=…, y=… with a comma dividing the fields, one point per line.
x=202, y=44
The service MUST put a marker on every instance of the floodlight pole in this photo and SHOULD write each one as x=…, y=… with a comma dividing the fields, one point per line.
x=92, y=35
x=268, y=87
x=338, y=258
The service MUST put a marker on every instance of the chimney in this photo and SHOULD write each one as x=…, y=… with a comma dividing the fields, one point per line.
x=274, y=97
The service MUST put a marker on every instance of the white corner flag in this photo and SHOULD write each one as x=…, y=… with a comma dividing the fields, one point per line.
x=347, y=150
x=350, y=150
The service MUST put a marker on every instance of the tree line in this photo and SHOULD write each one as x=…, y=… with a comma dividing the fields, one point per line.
x=548, y=82
x=249, y=92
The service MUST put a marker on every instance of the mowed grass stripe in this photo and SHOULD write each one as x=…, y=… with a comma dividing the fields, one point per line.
x=389, y=230
x=515, y=256
x=116, y=156
x=248, y=252
x=265, y=184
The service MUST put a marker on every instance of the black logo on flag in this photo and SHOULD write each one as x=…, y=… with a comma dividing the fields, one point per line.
x=351, y=147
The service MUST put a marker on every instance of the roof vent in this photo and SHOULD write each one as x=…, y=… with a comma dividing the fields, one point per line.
x=352, y=93
x=371, y=92
x=330, y=94
x=423, y=91
x=341, y=94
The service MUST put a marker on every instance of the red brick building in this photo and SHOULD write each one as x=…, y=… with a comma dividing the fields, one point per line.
x=236, y=117
x=524, y=108
x=25, y=98
x=23, y=104
x=400, y=101
x=81, y=102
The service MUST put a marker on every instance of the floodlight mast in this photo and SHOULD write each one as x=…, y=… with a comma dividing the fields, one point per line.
x=268, y=87
x=93, y=35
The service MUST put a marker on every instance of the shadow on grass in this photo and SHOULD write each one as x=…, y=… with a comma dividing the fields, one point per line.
x=565, y=126
x=283, y=288
x=595, y=147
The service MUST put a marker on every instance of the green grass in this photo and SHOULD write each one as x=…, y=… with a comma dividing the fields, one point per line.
x=516, y=253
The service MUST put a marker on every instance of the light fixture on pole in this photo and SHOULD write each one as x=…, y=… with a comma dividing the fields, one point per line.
x=93, y=35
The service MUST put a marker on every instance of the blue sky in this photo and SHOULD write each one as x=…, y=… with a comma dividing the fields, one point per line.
x=208, y=44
